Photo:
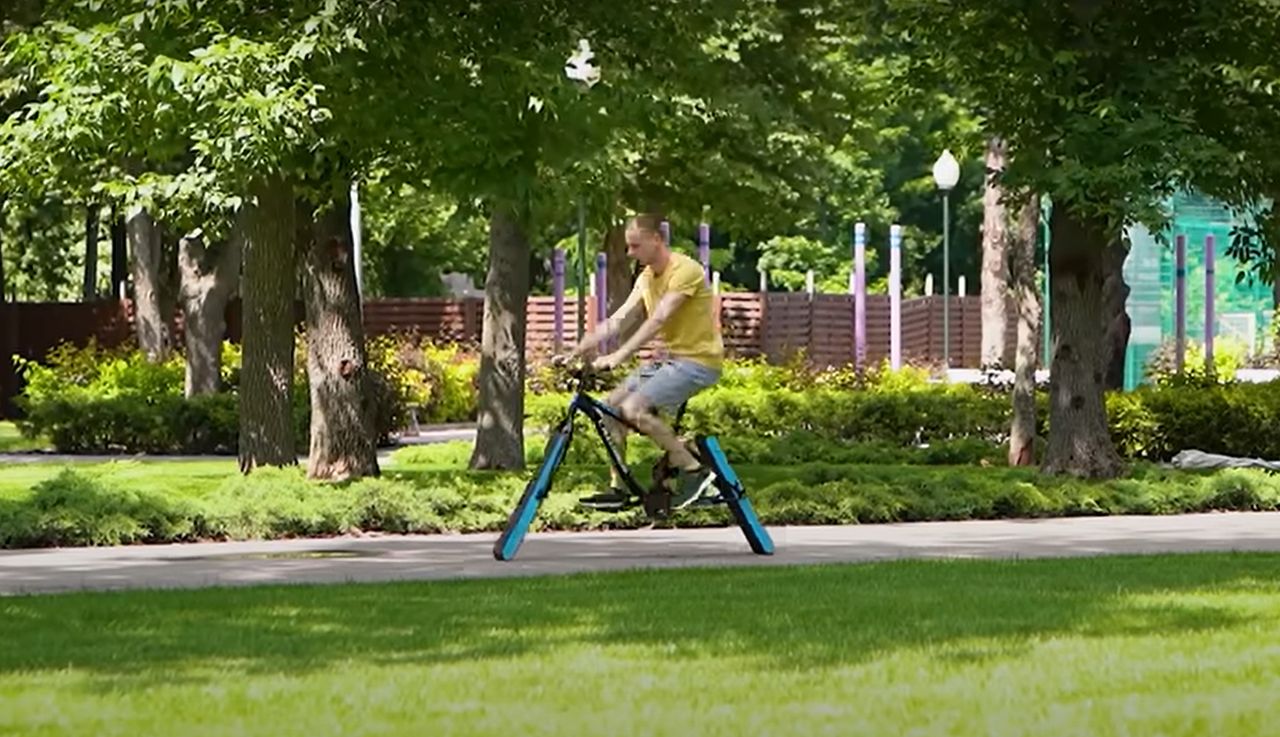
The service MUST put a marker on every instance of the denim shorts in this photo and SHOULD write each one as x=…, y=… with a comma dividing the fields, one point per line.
x=667, y=384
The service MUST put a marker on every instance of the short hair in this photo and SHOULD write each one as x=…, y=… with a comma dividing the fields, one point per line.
x=648, y=222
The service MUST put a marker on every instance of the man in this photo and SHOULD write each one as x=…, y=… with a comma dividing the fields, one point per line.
x=672, y=294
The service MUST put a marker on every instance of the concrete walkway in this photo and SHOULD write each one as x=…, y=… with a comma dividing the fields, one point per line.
x=391, y=558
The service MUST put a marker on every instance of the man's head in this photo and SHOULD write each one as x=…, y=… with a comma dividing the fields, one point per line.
x=645, y=243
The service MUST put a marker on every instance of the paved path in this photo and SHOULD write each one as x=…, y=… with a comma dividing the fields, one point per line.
x=468, y=556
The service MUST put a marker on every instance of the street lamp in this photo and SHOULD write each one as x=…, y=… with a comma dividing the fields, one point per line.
x=578, y=67
x=946, y=173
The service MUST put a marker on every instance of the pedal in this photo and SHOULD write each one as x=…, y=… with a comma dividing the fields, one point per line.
x=605, y=502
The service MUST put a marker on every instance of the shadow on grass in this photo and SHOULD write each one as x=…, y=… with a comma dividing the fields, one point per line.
x=790, y=618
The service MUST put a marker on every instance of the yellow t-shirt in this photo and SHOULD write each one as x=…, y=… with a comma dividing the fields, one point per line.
x=691, y=331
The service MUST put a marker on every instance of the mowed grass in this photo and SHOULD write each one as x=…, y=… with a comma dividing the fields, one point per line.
x=1170, y=645
x=12, y=441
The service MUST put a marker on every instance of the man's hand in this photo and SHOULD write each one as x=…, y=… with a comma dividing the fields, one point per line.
x=607, y=363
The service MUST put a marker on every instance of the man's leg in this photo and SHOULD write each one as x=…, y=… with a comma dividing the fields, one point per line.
x=674, y=383
x=618, y=431
x=618, y=493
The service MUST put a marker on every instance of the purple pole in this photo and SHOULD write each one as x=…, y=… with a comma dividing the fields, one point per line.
x=1210, y=327
x=895, y=296
x=557, y=289
x=665, y=227
x=602, y=285
x=704, y=249
x=860, y=295
x=1180, y=301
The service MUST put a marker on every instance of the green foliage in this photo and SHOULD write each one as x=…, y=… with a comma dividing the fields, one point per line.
x=414, y=235
x=97, y=507
x=787, y=259
x=111, y=400
x=92, y=507
x=436, y=381
x=1231, y=419
x=1229, y=356
x=1110, y=108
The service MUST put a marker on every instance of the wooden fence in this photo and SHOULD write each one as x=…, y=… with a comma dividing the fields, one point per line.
x=772, y=325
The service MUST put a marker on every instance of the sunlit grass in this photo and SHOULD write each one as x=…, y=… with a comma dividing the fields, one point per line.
x=1172, y=645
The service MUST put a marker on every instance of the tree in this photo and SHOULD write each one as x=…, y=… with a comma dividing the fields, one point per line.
x=342, y=432
x=1098, y=103
x=1025, y=298
x=204, y=114
x=995, y=260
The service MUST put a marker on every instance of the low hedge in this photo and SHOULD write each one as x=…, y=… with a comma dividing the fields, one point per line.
x=95, y=400
x=99, y=506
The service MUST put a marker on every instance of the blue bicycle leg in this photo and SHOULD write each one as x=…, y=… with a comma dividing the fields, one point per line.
x=736, y=496
x=522, y=516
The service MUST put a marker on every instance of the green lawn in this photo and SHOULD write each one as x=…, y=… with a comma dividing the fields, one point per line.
x=11, y=441
x=1173, y=645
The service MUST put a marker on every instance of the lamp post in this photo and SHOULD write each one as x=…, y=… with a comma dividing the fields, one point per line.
x=578, y=67
x=946, y=173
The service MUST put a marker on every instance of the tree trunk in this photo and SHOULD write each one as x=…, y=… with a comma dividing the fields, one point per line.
x=500, y=432
x=1079, y=441
x=266, y=375
x=119, y=256
x=995, y=260
x=207, y=278
x=146, y=252
x=90, y=291
x=1116, y=324
x=3, y=219
x=342, y=427
x=1022, y=273
x=619, y=278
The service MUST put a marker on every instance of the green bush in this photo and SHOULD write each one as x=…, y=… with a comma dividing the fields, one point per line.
x=1155, y=423
x=111, y=400
x=95, y=507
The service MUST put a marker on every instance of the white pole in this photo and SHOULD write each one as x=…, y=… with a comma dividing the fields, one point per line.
x=895, y=297
x=357, y=240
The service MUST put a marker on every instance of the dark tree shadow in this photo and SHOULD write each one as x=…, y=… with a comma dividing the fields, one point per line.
x=782, y=617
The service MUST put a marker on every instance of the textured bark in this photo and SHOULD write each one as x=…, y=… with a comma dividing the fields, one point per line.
x=208, y=277
x=266, y=375
x=1026, y=300
x=1115, y=320
x=1079, y=441
x=500, y=431
x=619, y=278
x=342, y=427
x=146, y=250
x=90, y=290
x=995, y=260
x=119, y=256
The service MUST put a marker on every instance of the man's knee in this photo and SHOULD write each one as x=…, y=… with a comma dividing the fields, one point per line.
x=634, y=407
x=617, y=396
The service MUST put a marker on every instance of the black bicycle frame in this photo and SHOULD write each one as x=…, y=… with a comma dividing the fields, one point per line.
x=597, y=411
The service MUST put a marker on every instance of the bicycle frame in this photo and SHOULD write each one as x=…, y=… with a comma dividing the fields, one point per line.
x=732, y=492
x=597, y=411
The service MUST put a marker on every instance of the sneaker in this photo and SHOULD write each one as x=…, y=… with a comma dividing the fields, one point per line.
x=692, y=485
x=611, y=499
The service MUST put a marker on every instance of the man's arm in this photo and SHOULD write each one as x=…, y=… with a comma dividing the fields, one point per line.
x=650, y=328
x=616, y=321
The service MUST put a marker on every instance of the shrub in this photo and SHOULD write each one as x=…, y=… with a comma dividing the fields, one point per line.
x=1156, y=423
x=79, y=507
x=97, y=507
